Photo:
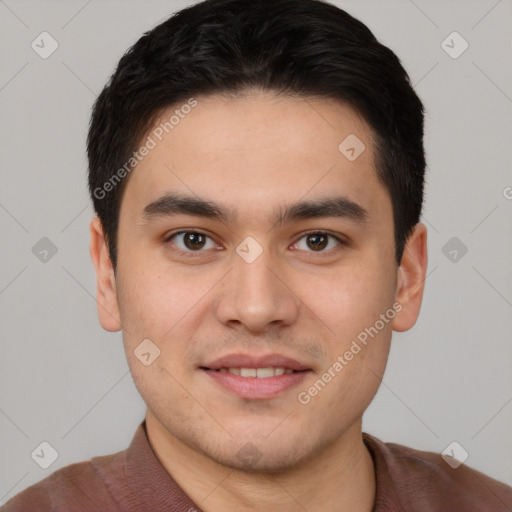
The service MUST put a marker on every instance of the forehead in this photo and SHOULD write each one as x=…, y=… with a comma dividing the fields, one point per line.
x=258, y=150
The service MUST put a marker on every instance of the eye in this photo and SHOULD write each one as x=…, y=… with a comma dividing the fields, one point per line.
x=191, y=241
x=317, y=241
x=194, y=242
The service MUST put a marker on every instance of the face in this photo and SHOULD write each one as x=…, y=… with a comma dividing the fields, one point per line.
x=255, y=256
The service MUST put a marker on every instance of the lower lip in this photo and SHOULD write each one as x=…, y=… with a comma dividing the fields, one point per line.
x=257, y=389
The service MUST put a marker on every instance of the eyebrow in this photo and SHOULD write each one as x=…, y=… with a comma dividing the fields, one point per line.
x=177, y=204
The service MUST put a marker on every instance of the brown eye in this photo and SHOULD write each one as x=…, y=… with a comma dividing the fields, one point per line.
x=191, y=241
x=319, y=242
x=194, y=241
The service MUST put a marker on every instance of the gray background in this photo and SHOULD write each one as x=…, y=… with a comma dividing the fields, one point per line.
x=65, y=381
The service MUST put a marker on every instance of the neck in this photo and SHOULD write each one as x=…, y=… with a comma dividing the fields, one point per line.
x=340, y=478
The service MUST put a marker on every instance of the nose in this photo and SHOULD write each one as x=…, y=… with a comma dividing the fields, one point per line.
x=257, y=295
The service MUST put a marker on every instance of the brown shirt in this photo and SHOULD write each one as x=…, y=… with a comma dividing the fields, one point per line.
x=133, y=480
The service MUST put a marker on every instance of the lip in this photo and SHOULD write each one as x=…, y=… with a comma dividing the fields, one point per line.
x=252, y=387
x=248, y=361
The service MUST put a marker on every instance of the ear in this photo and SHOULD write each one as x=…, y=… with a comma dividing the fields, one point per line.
x=106, y=295
x=411, y=279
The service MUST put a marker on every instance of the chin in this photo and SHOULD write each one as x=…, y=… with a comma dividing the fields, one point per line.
x=260, y=454
x=258, y=459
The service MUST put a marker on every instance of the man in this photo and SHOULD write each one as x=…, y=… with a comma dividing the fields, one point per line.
x=257, y=169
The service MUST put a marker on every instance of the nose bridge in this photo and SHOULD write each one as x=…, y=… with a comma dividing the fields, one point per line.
x=256, y=295
x=255, y=280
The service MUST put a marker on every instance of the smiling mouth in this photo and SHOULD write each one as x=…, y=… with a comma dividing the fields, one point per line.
x=262, y=383
x=258, y=373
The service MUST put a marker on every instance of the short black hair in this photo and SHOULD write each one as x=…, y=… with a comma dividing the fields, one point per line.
x=308, y=48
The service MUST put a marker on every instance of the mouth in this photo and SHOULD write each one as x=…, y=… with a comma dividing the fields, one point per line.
x=256, y=378
x=258, y=373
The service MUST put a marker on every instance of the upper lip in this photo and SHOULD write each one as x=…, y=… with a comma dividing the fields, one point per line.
x=252, y=361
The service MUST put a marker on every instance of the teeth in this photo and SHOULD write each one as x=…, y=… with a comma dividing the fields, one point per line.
x=260, y=373
x=263, y=373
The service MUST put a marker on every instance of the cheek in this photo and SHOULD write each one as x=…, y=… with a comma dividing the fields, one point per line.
x=351, y=300
x=165, y=306
x=155, y=300
x=159, y=308
x=357, y=306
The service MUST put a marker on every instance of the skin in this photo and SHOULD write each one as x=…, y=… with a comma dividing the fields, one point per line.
x=255, y=153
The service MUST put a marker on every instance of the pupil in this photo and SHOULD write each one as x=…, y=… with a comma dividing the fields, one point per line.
x=194, y=240
x=318, y=241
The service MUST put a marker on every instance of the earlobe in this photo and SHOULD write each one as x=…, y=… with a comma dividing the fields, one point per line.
x=411, y=279
x=106, y=296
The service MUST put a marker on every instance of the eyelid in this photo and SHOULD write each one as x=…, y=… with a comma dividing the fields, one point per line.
x=172, y=234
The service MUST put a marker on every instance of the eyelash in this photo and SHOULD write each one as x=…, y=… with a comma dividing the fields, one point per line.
x=190, y=253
